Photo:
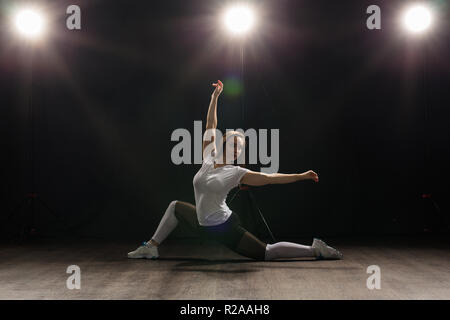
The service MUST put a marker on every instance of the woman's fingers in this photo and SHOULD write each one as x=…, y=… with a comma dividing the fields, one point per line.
x=218, y=88
x=218, y=83
x=314, y=176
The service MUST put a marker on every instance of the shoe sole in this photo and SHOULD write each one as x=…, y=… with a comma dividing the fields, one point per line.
x=144, y=257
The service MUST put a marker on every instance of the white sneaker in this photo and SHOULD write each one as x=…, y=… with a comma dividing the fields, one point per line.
x=147, y=251
x=326, y=252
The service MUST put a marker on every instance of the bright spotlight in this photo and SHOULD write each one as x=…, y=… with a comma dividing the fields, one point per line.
x=417, y=18
x=29, y=23
x=239, y=19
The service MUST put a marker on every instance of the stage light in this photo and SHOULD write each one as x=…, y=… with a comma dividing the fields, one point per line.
x=417, y=19
x=239, y=19
x=29, y=23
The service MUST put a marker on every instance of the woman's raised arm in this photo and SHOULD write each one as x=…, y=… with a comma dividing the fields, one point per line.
x=211, y=118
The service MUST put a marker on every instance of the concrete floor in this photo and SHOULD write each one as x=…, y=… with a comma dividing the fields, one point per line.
x=410, y=269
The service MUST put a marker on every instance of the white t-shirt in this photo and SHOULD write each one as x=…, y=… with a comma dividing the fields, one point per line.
x=211, y=187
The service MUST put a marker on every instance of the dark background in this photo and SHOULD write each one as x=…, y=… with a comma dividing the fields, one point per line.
x=349, y=103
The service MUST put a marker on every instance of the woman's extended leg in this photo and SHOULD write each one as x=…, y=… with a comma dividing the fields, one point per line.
x=251, y=247
x=286, y=250
x=239, y=240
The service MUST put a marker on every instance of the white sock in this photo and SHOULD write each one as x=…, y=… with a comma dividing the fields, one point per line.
x=288, y=250
x=168, y=223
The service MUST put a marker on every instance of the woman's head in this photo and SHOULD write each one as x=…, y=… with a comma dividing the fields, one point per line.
x=233, y=143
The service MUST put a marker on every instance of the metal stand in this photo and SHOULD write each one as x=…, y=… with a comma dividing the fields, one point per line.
x=439, y=226
x=251, y=198
x=30, y=202
x=252, y=201
x=427, y=144
x=31, y=199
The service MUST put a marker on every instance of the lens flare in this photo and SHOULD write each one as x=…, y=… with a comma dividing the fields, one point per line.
x=233, y=87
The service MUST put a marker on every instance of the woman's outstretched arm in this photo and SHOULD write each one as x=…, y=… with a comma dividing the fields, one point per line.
x=253, y=178
x=211, y=118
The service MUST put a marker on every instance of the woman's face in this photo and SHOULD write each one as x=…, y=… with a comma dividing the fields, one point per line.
x=234, y=147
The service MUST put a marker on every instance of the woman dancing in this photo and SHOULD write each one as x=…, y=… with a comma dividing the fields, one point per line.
x=211, y=217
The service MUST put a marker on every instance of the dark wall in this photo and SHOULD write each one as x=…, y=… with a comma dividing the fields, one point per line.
x=349, y=103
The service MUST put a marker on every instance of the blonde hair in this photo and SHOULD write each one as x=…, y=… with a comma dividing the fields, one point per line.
x=230, y=134
x=227, y=135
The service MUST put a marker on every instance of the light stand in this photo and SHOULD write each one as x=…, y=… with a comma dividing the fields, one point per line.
x=417, y=20
x=239, y=20
x=31, y=201
x=428, y=195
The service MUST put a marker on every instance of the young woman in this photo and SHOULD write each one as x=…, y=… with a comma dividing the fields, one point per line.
x=211, y=217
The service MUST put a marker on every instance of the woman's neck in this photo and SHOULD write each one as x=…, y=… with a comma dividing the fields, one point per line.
x=216, y=165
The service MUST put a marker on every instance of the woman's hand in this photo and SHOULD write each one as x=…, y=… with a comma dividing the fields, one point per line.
x=311, y=175
x=211, y=118
x=218, y=90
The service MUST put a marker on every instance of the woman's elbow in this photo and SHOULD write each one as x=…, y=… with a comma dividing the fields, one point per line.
x=268, y=178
